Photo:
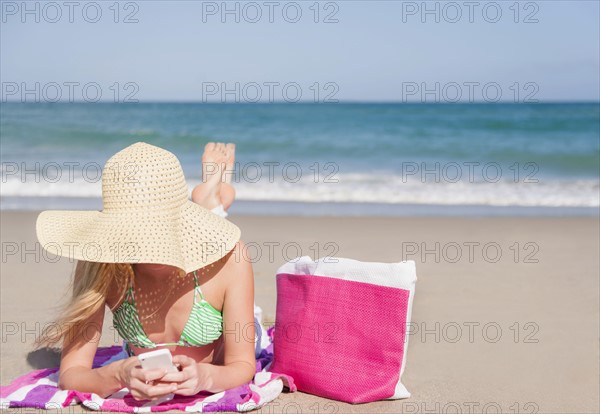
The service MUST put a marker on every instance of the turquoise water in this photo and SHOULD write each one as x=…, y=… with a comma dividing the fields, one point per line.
x=538, y=155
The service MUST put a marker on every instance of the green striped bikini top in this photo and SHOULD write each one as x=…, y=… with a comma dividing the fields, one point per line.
x=204, y=325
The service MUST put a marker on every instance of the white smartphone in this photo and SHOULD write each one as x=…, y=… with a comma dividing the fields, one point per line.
x=161, y=358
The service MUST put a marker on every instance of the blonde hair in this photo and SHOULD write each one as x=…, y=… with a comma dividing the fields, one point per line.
x=91, y=284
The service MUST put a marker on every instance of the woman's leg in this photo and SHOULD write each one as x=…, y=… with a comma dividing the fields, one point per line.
x=218, y=163
x=217, y=168
x=227, y=190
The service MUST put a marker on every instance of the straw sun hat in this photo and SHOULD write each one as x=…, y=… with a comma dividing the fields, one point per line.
x=146, y=217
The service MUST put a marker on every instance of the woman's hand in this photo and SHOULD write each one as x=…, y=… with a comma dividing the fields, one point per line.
x=192, y=378
x=141, y=381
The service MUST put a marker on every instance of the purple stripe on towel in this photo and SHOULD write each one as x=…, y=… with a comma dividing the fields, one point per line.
x=105, y=354
x=27, y=379
x=232, y=397
x=41, y=394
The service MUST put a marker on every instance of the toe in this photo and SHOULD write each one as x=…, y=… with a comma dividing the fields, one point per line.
x=230, y=148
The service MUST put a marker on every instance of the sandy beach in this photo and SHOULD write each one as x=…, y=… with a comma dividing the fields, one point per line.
x=461, y=136
x=505, y=318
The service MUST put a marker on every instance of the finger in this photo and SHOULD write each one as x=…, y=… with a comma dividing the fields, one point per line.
x=151, y=390
x=139, y=374
x=138, y=396
x=148, y=375
x=183, y=360
x=185, y=388
x=179, y=376
x=157, y=391
x=138, y=389
x=165, y=383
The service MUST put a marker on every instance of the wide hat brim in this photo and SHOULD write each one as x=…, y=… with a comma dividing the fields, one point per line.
x=189, y=237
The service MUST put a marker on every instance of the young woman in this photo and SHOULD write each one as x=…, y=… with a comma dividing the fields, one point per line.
x=169, y=270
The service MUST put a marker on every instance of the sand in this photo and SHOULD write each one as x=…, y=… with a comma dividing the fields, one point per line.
x=512, y=333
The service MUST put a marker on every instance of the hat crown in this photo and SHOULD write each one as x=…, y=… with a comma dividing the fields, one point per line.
x=147, y=217
x=143, y=176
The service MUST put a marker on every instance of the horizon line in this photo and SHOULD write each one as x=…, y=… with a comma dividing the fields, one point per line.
x=372, y=102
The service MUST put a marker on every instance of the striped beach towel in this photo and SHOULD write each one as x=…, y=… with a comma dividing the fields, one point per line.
x=38, y=389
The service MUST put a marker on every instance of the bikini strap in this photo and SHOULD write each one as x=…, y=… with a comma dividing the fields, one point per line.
x=197, y=288
x=129, y=293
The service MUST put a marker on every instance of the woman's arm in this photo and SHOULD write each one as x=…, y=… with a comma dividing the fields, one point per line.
x=238, y=336
x=76, y=371
x=238, y=326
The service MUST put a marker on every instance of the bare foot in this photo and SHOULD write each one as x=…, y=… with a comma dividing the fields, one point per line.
x=227, y=190
x=208, y=194
x=230, y=163
x=216, y=188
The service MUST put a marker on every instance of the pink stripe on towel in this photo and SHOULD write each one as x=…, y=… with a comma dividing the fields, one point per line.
x=27, y=379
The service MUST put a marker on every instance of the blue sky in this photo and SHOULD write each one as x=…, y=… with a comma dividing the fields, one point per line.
x=376, y=51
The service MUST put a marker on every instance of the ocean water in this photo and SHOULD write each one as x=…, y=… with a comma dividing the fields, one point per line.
x=360, y=158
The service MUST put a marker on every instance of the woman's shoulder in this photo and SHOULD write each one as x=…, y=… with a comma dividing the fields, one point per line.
x=234, y=265
x=239, y=258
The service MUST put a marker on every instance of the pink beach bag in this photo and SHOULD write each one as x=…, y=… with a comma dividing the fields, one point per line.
x=341, y=327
